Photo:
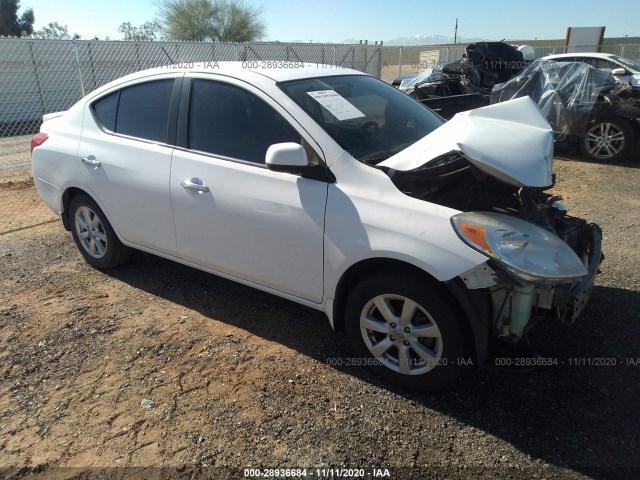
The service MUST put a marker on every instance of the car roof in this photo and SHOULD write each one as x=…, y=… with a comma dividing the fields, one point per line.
x=581, y=54
x=276, y=70
x=252, y=71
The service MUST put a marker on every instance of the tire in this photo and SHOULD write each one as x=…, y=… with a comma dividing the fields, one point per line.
x=94, y=236
x=432, y=335
x=607, y=140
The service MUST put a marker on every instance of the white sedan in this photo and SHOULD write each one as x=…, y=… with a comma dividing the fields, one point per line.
x=422, y=239
x=621, y=68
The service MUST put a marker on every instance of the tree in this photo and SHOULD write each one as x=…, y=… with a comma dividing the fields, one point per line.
x=25, y=22
x=10, y=24
x=147, y=32
x=55, y=31
x=215, y=20
x=238, y=23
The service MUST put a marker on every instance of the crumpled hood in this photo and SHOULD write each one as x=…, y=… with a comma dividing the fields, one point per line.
x=511, y=141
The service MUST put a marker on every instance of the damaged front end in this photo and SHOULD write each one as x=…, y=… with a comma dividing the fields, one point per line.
x=541, y=262
x=535, y=271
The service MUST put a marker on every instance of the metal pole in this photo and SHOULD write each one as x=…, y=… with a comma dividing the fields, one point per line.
x=93, y=68
x=400, y=62
x=455, y=34
x=138, y=56
x=75, y=49
x=35, y=70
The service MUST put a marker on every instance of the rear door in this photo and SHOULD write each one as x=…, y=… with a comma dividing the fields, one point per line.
x=126, y=151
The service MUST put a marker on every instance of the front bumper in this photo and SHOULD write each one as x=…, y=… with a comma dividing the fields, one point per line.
x=565, y=302
x=570, y=300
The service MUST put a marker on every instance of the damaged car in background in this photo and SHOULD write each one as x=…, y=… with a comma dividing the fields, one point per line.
x=425, y=241
x=466, y=84
x=623, y=69
x=587, y=107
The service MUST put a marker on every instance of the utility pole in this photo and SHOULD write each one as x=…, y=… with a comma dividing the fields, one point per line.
x=455, y=34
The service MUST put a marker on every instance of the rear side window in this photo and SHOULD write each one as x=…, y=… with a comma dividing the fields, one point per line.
x=106, y=111
x=229, y=121
x=143, y=110
x=140, y=111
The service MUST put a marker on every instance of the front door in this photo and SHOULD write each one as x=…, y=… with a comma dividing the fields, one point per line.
x=231, y=213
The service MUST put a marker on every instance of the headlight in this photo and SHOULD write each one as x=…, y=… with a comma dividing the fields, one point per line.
x=526, y=250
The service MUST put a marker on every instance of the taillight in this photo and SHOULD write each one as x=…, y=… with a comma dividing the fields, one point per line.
x=38, y=140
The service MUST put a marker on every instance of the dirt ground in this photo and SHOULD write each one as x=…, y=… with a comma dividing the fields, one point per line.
x=391, y=72
x=15, y=158
x=154, y=364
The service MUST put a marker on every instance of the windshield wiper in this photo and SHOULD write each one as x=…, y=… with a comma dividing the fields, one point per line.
x=375, y=160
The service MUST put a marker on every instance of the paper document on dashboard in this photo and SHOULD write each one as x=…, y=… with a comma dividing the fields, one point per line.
x=337, y=105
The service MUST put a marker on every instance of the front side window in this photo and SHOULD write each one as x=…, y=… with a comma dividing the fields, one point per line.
x=627, y=63
x=140, y=111
x=228, y=121
x=366, y=117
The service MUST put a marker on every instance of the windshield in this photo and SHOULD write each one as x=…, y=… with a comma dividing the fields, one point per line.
x=627, y=63
x=410, y=82
x=365, y=116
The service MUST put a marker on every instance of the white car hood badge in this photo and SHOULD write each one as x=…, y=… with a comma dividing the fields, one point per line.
x=511, y=141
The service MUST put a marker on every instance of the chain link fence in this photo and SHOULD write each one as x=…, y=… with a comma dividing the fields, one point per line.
x=412, y=60
x=44, y=76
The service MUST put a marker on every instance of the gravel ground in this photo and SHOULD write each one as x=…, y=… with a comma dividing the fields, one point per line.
x=15, y=157
x=155, y=364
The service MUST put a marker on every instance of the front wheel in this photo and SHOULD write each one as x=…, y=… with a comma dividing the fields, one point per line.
x=607, y=140
x=94, y=236
x=407, y=332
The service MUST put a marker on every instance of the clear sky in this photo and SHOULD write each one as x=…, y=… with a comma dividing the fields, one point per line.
x=338, y=20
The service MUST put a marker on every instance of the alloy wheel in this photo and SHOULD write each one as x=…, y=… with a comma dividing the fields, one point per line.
x=91, y=232
x=604, y=140
x=401, y=334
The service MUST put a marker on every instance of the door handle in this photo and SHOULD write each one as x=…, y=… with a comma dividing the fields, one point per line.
x=198, y=187
x=91, y=160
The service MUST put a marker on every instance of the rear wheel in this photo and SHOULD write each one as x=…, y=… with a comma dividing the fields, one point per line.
x=406, y=332
x=608, y=140
x=94, y=236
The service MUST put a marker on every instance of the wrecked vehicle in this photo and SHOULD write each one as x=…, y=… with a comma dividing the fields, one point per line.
x=622, y=69
x=584, y=106
x=423, y=240
x=467, y=83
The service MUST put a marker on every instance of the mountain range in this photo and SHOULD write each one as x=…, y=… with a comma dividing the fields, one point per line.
x=421, y=39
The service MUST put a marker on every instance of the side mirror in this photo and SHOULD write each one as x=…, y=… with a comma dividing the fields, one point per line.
x=286, y=157
x=618, y=72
